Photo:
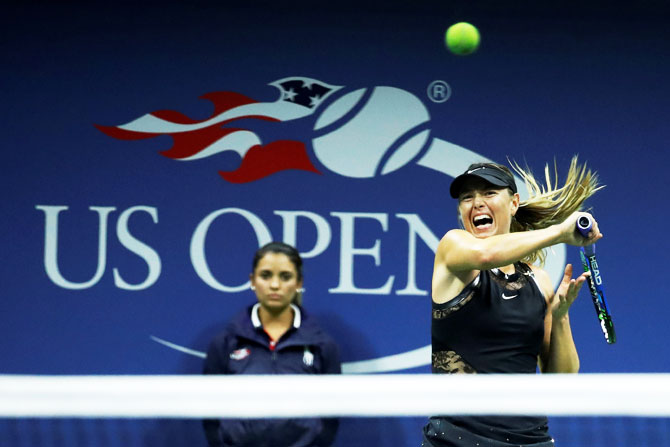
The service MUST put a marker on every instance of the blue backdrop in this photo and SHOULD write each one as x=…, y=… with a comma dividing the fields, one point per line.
x=149, y=148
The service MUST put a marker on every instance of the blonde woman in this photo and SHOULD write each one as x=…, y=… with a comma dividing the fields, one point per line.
x=493, y=310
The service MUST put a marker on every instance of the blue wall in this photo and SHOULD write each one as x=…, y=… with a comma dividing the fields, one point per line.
x=369, y=203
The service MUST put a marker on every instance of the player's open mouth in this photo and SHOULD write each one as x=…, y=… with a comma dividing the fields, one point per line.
x=482, y=221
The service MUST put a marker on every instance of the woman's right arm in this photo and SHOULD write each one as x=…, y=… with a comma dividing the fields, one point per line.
x=462, y=251
x=460, y=255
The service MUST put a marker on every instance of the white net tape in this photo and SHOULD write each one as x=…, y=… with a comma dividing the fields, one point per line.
x=345, y=395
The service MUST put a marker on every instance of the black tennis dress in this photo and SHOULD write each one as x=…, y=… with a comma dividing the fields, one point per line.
x=495, y=325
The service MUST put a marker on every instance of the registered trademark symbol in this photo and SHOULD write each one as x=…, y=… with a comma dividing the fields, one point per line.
x=438, y=91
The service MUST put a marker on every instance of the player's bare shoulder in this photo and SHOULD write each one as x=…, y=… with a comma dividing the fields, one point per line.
x=443, y=246
x=447, y=283
x=451, y=239
x=455, y=234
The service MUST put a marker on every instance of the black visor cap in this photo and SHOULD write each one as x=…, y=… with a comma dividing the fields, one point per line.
x=495, y=176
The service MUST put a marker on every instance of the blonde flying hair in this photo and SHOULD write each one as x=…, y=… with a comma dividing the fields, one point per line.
x=549, y=204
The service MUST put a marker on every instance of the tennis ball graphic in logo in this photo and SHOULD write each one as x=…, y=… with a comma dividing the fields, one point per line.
x=385, y=133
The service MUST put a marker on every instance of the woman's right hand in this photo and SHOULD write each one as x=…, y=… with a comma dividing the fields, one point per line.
x=571, y=236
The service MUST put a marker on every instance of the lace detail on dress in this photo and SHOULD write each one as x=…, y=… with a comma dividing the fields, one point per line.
x=448, y=362
x=438, y=314
x=513, y=282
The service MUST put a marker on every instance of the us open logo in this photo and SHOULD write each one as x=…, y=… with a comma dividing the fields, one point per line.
x=357, y=134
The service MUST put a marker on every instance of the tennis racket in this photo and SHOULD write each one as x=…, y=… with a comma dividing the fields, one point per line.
x=595, y=281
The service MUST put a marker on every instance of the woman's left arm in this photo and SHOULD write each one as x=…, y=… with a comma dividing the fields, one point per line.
x=559, y=354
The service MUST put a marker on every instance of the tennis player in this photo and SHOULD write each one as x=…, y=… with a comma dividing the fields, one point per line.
x=493, y=309
x=273, y=336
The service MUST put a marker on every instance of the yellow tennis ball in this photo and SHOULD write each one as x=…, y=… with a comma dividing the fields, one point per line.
x=462, y=38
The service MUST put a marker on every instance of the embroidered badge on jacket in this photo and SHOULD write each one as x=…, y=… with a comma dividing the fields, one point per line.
x=308, y=357
x=240, y=354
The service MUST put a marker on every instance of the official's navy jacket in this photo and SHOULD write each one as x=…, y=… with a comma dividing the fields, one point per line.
x=244, y=348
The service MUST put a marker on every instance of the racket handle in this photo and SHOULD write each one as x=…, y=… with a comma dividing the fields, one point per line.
x=584, y=224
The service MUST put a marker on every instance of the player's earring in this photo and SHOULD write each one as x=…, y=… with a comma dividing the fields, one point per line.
x=301, y=290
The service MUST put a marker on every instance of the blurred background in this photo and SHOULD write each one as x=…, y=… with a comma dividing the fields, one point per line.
x=127, y=249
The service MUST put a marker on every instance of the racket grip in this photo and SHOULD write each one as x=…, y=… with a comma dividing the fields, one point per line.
x=584, y=224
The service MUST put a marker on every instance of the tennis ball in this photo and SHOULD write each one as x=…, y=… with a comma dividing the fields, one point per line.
x=462, y=38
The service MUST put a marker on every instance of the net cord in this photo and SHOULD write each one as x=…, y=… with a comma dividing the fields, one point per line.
x=374, y=395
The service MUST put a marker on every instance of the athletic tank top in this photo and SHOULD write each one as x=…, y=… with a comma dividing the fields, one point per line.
x=495, y=325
